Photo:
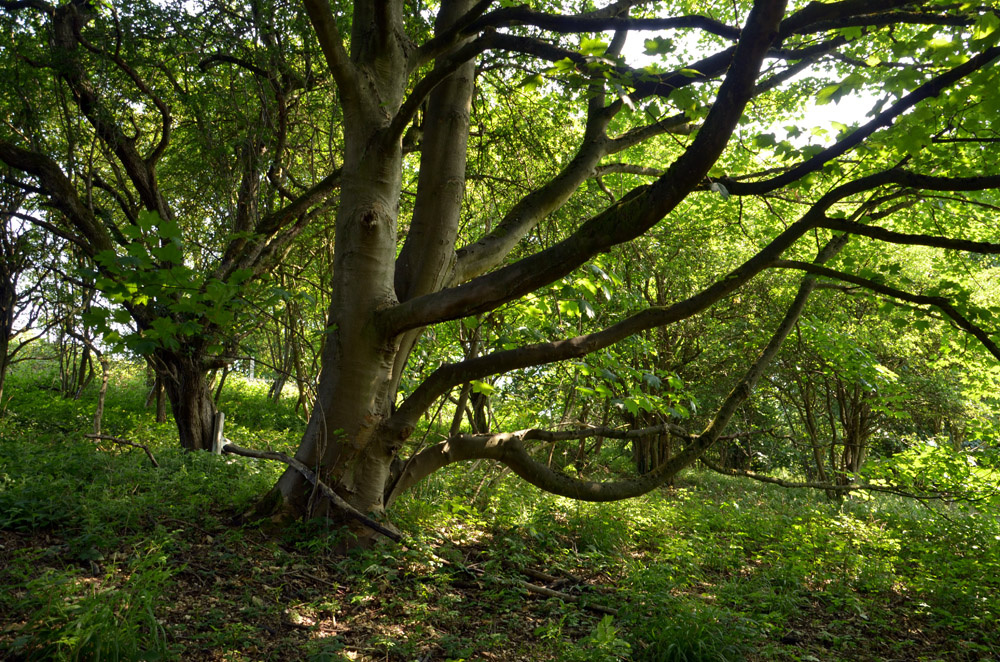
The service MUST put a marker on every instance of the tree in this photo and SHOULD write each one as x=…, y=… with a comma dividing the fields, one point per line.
x=176, y=198
x=22, y=308
x=703, y=128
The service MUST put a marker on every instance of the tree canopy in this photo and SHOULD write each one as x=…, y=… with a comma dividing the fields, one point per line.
x=495, y=200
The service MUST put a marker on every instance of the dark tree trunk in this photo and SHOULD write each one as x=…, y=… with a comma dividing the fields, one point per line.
x=184, y=380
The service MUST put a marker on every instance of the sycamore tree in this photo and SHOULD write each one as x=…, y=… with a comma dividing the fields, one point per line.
x=709, y=130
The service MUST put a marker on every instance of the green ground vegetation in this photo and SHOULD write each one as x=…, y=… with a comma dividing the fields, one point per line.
x=103, y=556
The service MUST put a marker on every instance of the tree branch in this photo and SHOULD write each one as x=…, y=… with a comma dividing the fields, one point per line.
x=621, y=222
x=884, y=119
x=125, y=442
x=61, y=192
x=310, y=476
x=322, y=19
x=941, y=303
x=246, y=252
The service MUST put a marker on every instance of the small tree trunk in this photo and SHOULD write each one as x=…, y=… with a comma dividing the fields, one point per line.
x=4, y=348
x=7, y=300
x=105, y=375
x=86, y=373
x=161, y=403
x=222, y=382
x=480, y=420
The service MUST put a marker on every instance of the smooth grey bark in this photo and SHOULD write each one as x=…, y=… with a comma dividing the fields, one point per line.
x=354, y=385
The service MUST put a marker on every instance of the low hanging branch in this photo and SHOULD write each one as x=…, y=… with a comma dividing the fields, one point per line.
x=124, y=442
x=311, y=476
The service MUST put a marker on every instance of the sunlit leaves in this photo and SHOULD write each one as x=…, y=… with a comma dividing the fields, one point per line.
x=531, y=82
x=658, y=46
x=592, y=46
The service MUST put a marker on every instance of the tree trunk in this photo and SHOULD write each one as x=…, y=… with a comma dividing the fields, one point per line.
x=102, y=393
x=4, y=346
x=161, y=402
x=360, y=363
x=8, y=297
x=184, y=380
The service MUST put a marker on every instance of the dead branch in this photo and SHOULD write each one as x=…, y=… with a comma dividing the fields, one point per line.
x=309, y=475
x=551, y=593
x=124, y=442
x=850, y=487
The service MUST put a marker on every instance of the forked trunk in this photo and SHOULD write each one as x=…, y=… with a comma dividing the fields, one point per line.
x=353, y=397
x=344, y=438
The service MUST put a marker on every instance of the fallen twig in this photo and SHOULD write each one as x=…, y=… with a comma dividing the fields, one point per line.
x=309, y=475
x=552, y=593
x=124, y=442
x=542, y=590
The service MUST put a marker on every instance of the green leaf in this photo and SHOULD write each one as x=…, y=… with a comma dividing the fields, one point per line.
x=562, y=66
x=147, y=220
x=765, y=140
x=169, y=253
x=530, y=83
x=482, y=387
x=592, y=46
x=827, y=94
x=652, y=380
x=658, y=46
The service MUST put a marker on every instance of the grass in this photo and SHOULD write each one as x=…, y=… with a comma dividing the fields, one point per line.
x=104, y=557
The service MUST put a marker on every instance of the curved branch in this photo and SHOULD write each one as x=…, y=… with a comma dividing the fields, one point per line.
x=678, y=124
x=442, y=42
x=595, y=22
x=607, y=19
x=339, y=62
x=622, y=222
x=941, y=303
x=62, y=194
x=626, y=168
x=166, y=118
x=17, y=5
x=426, y=85
x=490, y=250
x=218, y=58
x=450, y=375
x=56, y=230
x=509, y=448
x=243, y=252
x=436, y=457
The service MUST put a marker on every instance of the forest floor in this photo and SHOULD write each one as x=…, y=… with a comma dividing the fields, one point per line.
x=103, y=555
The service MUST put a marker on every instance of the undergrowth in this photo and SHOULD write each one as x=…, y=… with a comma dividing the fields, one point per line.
x=103, y=556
